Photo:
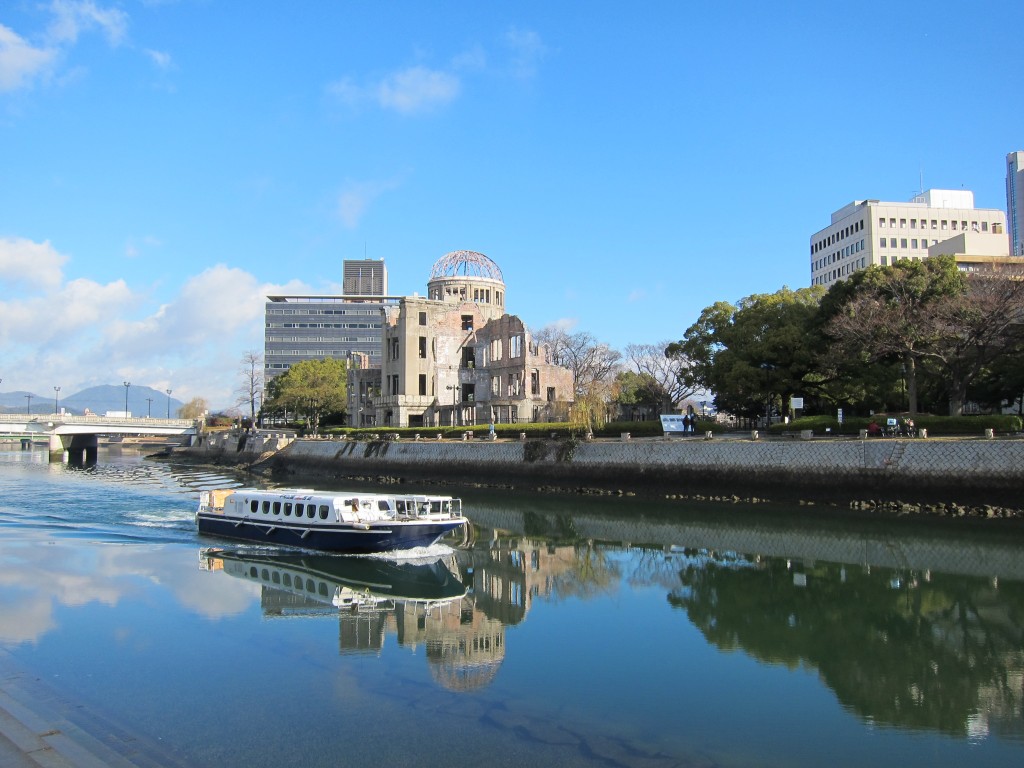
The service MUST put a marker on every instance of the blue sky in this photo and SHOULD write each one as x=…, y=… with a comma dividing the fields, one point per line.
x=166, y=164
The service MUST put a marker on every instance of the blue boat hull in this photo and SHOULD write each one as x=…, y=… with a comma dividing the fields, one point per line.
x=328, y=538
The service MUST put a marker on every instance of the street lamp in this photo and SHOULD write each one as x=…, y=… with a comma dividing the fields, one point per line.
x=703, y=409
x=168, y=403
x=56, y=399
x=149, y=407
x=126, y=385
x=28, y=405
x=455, y=393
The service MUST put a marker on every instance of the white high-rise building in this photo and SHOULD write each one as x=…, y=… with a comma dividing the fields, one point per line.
x=873, y=232
x=1015, y=201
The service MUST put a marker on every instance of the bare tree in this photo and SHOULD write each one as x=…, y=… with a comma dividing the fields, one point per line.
x=251, y=388
x=591, y=362
x=667, y=372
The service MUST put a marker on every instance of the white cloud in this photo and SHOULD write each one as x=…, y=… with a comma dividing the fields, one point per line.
x=356, y=197
x=527, y=51
x=410, y=91
x=29, y=264
x=77, y=333
x=20, y=62
x=417, y=89
x=161, y=59
x=72, y=17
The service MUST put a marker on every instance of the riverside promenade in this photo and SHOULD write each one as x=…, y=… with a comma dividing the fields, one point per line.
x=987, y=471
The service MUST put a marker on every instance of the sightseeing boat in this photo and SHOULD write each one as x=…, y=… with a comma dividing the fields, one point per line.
x=352, y=522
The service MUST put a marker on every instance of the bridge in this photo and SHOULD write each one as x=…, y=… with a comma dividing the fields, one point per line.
x=65, y=432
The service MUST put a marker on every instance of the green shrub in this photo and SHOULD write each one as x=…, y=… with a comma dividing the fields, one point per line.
x=936, y=425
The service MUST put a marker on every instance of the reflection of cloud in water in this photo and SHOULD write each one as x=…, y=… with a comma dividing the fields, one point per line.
x=24, y=620
x=38, y=577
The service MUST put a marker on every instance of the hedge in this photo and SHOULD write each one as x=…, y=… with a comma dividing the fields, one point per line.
x=936, y=425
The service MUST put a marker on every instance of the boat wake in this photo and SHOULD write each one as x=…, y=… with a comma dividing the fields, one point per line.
x=415, y=556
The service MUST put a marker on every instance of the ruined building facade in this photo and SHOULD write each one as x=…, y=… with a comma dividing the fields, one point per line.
x=456, y=358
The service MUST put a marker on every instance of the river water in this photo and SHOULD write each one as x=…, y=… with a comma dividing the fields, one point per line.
x=566, y=631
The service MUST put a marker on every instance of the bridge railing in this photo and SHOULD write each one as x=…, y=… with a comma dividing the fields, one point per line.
x=95, y=419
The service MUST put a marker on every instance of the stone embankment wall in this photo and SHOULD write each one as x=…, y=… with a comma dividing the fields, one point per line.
x=806, y=469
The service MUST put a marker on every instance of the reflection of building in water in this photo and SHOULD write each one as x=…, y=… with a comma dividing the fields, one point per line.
x=507, y=575
x=420, y=604
x=456, y=610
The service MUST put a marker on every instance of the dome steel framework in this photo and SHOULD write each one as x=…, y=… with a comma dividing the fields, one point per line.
x=466, y=264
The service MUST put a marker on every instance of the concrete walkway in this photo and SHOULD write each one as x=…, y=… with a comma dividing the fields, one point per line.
x=36, y=732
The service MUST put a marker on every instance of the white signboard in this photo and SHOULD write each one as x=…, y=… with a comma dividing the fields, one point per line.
x=797, y=403
x=672, y=424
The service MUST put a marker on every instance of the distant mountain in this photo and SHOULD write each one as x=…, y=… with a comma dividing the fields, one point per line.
x=142, y=401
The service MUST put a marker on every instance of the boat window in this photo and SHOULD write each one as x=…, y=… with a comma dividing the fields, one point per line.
x=288, y=508
x=310, y=510
x=275, y=577
x=277, y=507
x=266, y=507
x=265, y=574
x=253, y=572
x=382, y=504
x=287, y=580
x=310, y=586
x=254, y=505
x=400, y=505
x=298, y=510
x=323, y=511
x=323, y=588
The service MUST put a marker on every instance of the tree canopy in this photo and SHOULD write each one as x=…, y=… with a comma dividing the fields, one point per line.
x=922, y=323
x=312, y=388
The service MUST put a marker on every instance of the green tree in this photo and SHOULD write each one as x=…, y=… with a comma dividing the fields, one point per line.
x=756, y=355
x=924, y=313
x=312, y=388
x=639, y=390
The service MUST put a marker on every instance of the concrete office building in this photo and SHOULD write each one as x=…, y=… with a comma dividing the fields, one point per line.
x=455, y=357
x=873, y=232
x=312, y=327
x=1015, y=201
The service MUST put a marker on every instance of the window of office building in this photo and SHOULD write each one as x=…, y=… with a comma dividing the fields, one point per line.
x=423, y=384
x=423, y=318
x=423, y=347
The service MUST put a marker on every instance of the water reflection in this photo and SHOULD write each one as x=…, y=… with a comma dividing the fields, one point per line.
x=421, y=603
x=898, y=648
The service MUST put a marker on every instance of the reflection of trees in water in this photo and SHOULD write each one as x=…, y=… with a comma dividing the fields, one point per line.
x=912, y=650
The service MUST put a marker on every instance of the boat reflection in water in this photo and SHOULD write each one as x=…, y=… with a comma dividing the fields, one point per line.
x=421, y=602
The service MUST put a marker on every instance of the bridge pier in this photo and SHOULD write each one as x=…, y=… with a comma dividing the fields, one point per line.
x=75, y=449
x=84, y=449
x=57, y=450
